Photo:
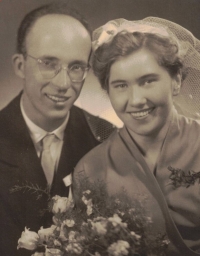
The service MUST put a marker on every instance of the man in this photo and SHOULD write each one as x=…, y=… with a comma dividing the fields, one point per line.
x=53, y=50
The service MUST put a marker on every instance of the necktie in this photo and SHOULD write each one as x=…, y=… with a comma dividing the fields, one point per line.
x=46, y=158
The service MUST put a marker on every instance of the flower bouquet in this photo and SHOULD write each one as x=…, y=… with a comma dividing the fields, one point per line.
x=97, y=225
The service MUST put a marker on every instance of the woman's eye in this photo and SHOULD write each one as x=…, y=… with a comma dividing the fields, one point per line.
x=121, y=86
x=149, y=81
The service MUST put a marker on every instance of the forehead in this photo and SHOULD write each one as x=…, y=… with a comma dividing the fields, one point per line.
x=57, y=34
x=136, y=64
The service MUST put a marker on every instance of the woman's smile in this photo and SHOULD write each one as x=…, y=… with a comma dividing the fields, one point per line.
x=142, y=113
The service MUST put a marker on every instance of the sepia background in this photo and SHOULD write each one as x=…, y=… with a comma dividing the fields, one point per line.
x=97, y=12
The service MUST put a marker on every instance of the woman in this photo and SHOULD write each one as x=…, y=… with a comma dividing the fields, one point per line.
x=141, y=65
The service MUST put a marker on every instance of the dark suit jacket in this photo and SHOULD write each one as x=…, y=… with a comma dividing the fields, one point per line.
x=19, y=164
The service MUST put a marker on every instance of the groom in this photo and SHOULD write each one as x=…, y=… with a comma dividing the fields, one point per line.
x=53, y=49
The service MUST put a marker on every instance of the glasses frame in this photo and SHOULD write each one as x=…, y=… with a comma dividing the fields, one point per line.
x=40, y=61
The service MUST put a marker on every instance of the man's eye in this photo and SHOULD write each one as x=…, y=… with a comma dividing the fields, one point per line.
x=77, y=68
x=49, y=64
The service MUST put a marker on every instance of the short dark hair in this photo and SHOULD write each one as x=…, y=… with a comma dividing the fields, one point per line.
x=165, y=50
x=30, y=19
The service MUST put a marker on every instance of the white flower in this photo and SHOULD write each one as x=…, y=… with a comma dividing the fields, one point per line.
x=87, y=192
x=57, y=242
x=46, y=233
x=53, y=252
x=38, y=254
x=131, y=211
x=97, y=254
x=69, y=223
x=57, y=228
x=89, y=205
x=62, y=232
x=29, y=240
x=116, y=220
x=61, y=204
x=166, y=242
x=149, y=219
x=100, y=218
x=84, y=199
x=72, y=235
x=135, y=235
x=75, y=248
x=120, y=213
x=80, y=238
x=89, y=210
x=99, y=227
x=56, y=221
x=119, y=248
x=117, y=201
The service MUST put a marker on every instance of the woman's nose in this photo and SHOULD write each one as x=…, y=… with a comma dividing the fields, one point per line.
x=137, y=96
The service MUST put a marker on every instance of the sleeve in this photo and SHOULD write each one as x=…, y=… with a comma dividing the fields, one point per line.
x=10, y=233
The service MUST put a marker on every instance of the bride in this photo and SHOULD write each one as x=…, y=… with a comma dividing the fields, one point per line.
x=142, y=66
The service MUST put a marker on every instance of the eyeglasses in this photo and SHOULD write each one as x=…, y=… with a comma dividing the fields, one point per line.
x=49, y=69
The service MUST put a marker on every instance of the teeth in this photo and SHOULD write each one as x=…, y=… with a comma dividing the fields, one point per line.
x=57, y=99
x=141, y=114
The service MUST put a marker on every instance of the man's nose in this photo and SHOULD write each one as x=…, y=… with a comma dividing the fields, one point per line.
x=62, y=79
x=137, y=96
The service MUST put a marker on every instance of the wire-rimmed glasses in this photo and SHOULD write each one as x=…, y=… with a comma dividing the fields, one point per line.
x=49, y=69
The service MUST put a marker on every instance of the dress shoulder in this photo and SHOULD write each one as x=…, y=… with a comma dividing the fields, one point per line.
x=94, y=163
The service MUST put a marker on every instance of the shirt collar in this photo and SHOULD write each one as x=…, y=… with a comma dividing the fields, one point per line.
x=37, y=133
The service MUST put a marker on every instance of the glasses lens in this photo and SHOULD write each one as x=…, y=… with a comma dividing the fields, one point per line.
x=48, y=69
x=77, y=73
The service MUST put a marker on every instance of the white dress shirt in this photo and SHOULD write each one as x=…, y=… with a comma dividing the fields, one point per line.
x=37, y=134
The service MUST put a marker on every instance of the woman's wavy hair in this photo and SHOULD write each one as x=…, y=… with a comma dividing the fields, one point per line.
x=165, y=50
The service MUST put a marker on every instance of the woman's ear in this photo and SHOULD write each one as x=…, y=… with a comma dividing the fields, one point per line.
x=18, y=65
x=176, y=84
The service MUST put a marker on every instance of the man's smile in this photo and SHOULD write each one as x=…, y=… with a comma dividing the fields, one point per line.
x=57, y=98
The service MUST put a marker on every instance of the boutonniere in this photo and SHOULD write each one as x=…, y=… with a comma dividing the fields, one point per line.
x=182, y=178
x=37, y=192
x=33, y=189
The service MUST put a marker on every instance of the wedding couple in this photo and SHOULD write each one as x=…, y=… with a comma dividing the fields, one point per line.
x=141, y=65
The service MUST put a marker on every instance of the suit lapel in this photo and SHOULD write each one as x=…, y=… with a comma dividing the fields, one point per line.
x=78, y=140
x=17, y=150
x=28, y=160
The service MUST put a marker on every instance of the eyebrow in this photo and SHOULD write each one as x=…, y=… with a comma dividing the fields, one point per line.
x=117, y=81
x=148, y=76
x=78, y=62
x=48, y=58
x=70, y=64
x=140, y=78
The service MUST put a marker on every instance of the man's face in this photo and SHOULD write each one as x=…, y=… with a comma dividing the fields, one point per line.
x=65, y=41
x=141, y=92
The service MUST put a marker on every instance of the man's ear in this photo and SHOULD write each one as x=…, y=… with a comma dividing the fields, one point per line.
x=176, y=84
x=19, y=65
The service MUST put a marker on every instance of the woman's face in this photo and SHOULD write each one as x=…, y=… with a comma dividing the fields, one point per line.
x=141, y=92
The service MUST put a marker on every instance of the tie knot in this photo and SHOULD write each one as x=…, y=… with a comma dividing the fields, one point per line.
x=47, y=141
